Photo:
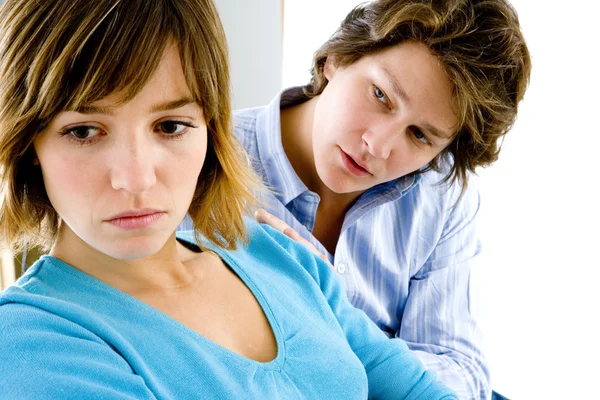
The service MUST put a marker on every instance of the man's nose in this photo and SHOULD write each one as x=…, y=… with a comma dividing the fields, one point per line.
x=380, y=140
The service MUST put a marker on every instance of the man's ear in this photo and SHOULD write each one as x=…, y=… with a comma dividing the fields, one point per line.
x=330, y=67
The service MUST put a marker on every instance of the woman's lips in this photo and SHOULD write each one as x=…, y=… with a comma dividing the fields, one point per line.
x=135, y=220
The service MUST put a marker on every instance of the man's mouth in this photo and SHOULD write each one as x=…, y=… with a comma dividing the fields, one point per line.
x=355, y=167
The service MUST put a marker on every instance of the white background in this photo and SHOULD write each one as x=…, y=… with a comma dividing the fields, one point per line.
x=539, y=278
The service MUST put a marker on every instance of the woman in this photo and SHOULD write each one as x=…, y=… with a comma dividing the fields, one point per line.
x=104, y=108
x=371, y=162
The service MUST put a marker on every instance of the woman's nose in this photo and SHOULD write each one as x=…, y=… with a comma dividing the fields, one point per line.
x=133, y=168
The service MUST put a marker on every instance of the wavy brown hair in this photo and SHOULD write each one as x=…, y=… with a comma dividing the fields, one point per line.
x=480, y=45
x=58, y=55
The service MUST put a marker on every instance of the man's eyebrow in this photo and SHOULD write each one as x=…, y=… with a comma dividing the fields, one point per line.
x=436, y=132
x=402, y=94
x=169, y=105
x=395, y=85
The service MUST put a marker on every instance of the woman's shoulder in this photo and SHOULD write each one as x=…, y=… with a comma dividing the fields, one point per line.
x=39, y=343
x=267, y=249
x=32, y=282
x=285, y=253
x=30, y=315
x=55, y=297
x=260, y=238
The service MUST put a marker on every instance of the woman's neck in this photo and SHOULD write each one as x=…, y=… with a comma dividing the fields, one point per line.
x=166, y=272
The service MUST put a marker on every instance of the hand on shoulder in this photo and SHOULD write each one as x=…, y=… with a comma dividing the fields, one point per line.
x=265, y=217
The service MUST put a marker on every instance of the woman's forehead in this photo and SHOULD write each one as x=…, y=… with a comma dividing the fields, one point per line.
x=167, y=83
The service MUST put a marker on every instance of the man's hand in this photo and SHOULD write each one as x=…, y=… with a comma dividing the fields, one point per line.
x=275, y=223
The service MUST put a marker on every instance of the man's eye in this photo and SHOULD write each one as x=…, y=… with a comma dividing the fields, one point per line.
x=419, y=135
x=378, y=93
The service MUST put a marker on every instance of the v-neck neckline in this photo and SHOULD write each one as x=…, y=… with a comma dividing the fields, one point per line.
x=274, y=364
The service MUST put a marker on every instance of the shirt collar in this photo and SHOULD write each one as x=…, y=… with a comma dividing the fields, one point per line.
x=277, y=168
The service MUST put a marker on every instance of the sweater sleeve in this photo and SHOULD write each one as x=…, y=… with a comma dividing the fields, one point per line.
x=393, y=371
x=48, y=357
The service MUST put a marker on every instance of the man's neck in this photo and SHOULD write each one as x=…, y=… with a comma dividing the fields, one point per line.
x=296, y=138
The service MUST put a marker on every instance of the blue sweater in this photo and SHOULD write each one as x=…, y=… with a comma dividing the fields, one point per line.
x=65, y=334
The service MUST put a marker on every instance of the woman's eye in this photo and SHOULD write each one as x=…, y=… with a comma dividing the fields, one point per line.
x=83, y=132
x=378, y=93
x=172, y=127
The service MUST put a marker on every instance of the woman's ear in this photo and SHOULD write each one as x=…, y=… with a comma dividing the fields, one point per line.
x=34, y=159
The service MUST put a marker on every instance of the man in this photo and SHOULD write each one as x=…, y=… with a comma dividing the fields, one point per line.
x=370, y=163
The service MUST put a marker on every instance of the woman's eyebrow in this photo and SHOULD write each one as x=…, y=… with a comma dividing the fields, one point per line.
x=166, y=106
x=172, y=105
x=91, y=109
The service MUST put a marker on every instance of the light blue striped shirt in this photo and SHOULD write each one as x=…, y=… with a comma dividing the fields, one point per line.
x=405, y=252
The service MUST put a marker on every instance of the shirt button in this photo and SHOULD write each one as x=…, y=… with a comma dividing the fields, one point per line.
x=309, y=197
x=341, y=268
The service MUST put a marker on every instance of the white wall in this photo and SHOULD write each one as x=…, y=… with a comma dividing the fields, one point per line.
x=539, y=278
x=254, y=35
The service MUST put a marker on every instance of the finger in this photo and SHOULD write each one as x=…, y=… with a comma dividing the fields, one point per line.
x=326, y=259
x=271, y=220
x=265, y=217
x=294, y=235
x=276, y=223
x=260, y=215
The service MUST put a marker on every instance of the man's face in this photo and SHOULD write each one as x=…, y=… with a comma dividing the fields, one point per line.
x=122, y=177
x=383, y=117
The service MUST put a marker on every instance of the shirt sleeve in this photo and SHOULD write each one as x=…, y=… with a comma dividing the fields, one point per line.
x=393, y=371
x=47, y=357
x=438, y=322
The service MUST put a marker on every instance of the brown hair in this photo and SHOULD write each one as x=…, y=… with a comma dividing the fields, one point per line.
x=59, y=55
x=478, y=42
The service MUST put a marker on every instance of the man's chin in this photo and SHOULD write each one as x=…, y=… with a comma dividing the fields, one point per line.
x=342, y=185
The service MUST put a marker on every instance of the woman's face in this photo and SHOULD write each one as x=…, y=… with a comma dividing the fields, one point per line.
x=122, y=178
